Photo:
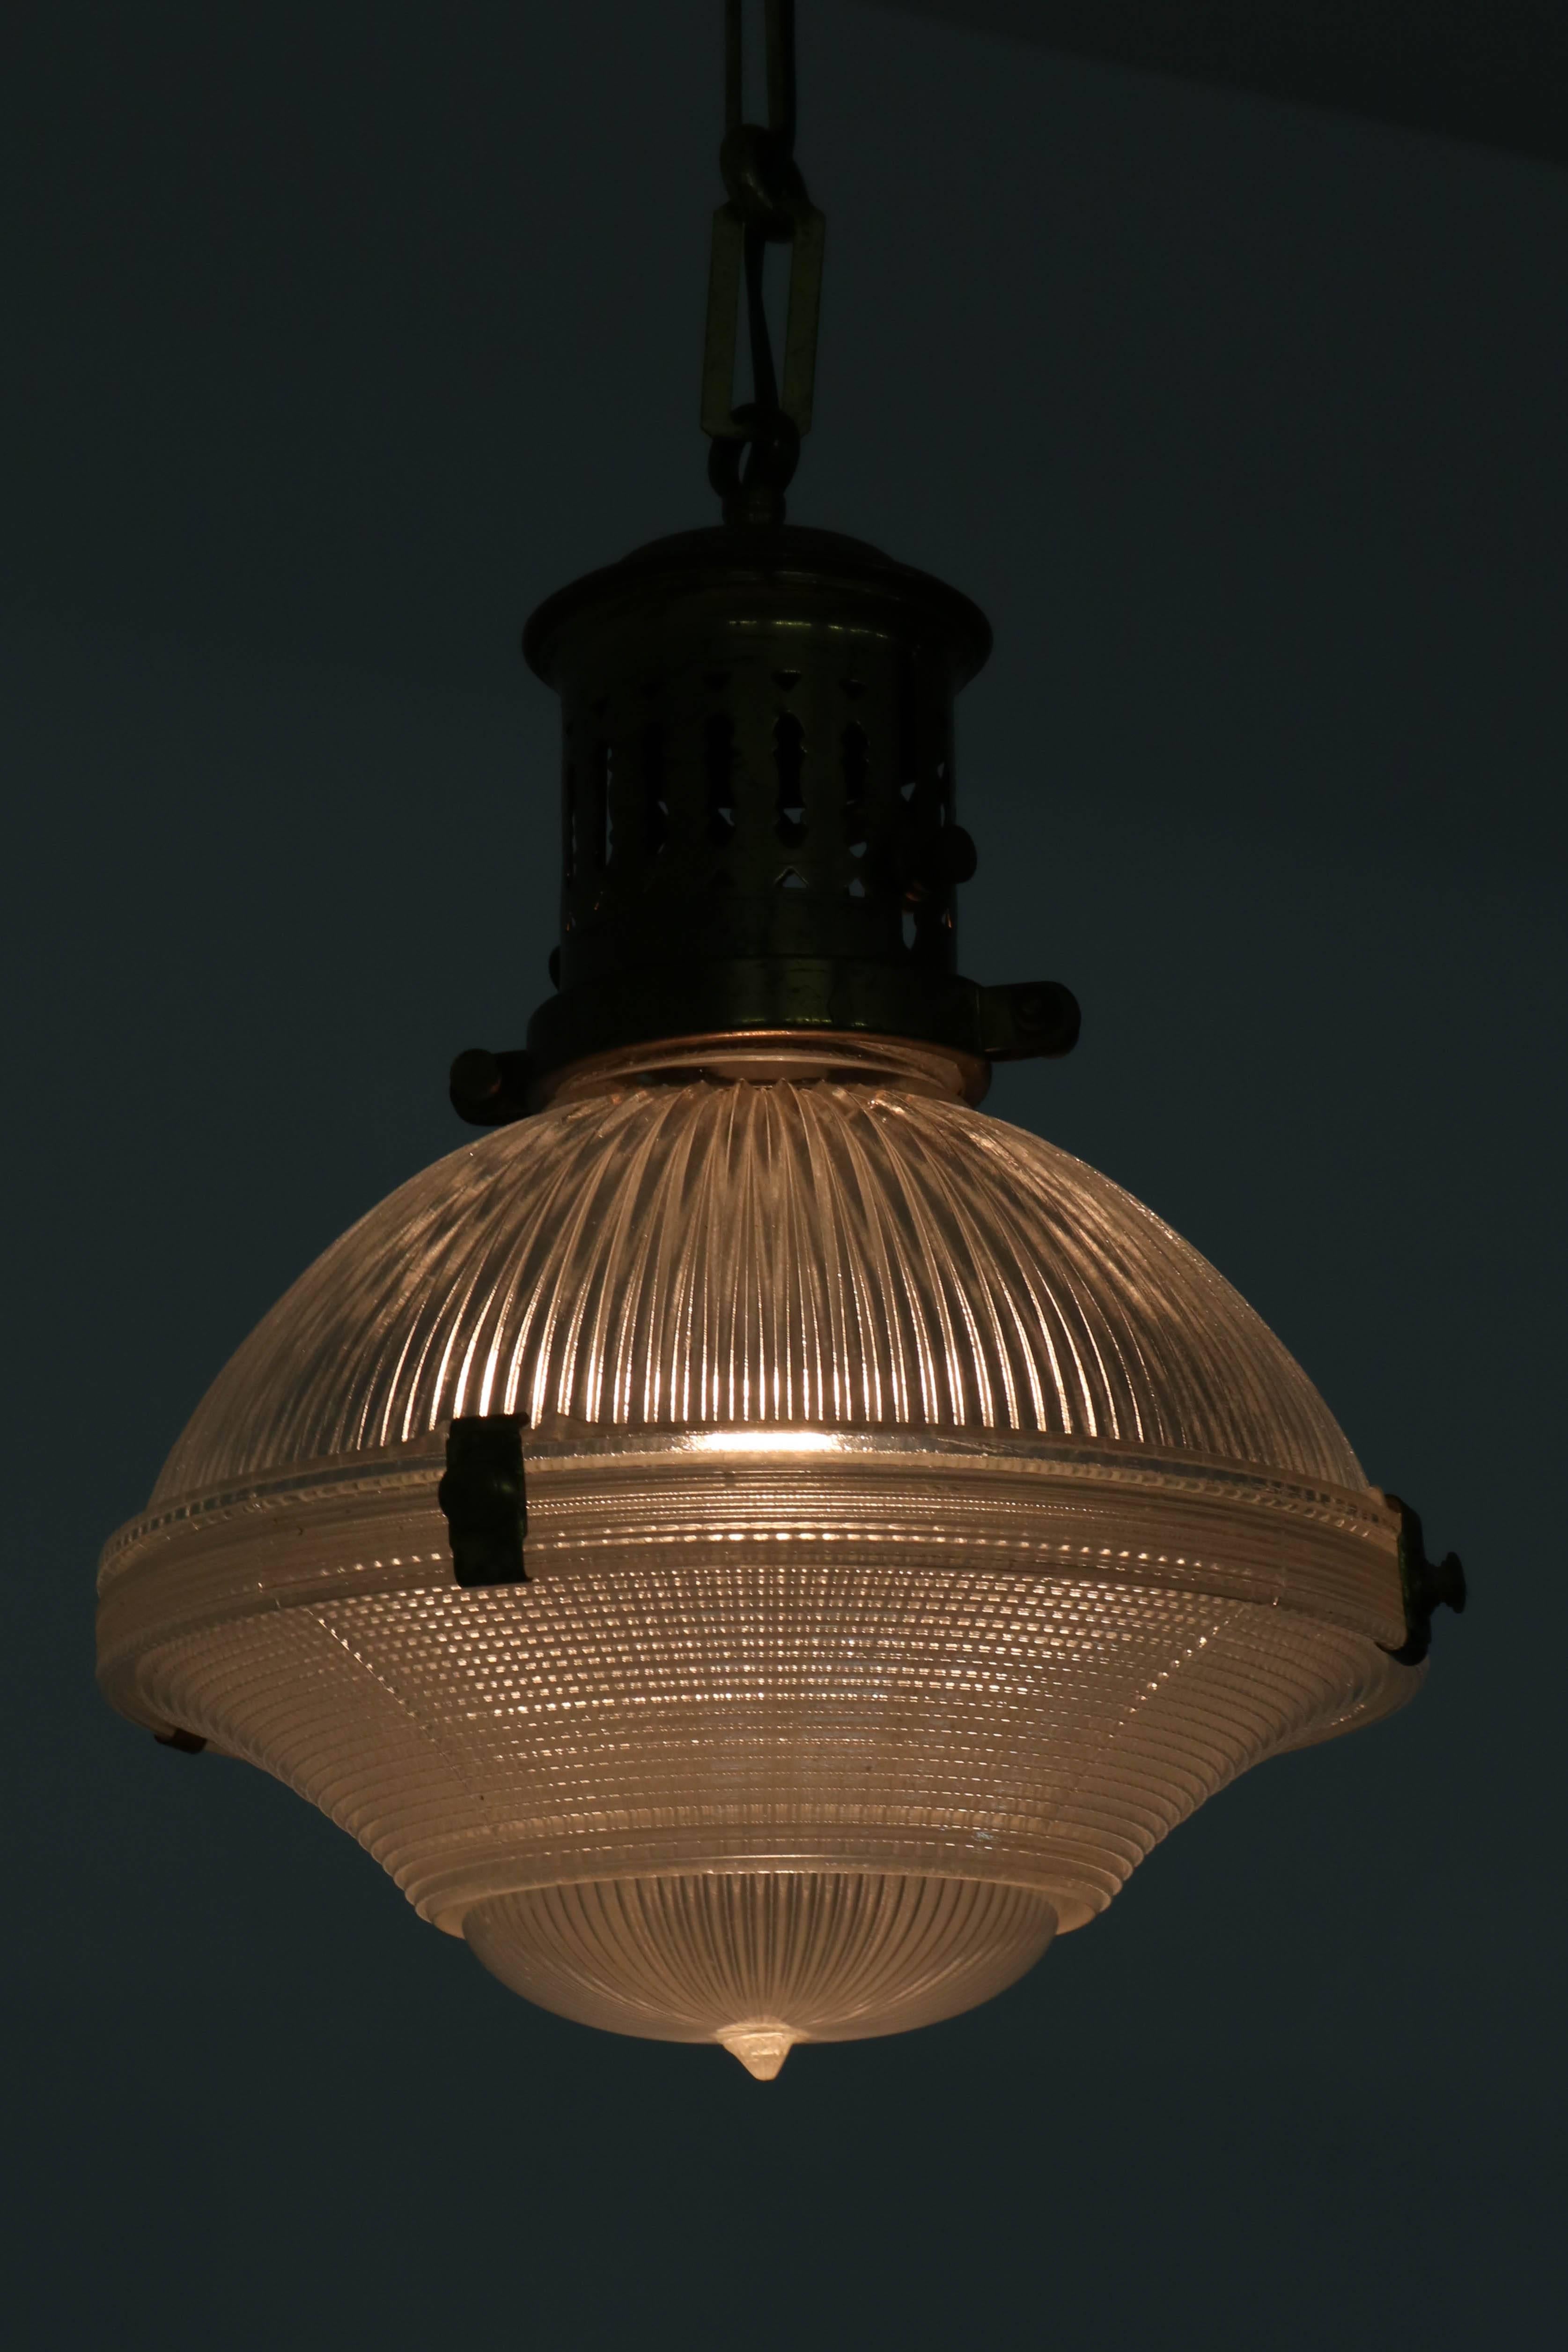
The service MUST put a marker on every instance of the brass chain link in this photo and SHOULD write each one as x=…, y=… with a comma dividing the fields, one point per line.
x=757, y=446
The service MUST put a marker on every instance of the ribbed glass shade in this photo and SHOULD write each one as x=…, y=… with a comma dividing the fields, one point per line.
x=918, y=1529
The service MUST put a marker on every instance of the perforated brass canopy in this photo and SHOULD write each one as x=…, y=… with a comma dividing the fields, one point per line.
x=758, y=824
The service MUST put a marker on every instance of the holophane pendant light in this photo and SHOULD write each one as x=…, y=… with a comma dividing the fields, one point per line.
x=753, y=1545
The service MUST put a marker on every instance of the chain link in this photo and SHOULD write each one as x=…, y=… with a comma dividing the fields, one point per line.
x=756, y=446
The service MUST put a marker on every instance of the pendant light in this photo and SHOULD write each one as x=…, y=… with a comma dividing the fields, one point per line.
x=752, y=1545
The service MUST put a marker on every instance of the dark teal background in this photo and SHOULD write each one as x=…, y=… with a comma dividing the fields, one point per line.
x=339, y=337
x=1495, y=70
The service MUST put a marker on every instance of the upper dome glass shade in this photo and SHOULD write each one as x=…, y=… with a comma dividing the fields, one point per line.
x=917, y=1530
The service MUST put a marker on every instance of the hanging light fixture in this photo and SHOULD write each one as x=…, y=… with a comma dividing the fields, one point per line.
x=753, y=1545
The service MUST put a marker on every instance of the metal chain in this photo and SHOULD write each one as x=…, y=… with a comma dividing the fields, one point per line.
x=756, y=446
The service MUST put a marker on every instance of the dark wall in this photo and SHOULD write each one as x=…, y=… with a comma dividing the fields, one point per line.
x=1494, y=70
x=338, y=339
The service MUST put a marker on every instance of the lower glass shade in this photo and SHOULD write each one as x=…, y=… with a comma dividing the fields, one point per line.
x=599, y=1777
x=971, y=1536
x=761, y=1960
